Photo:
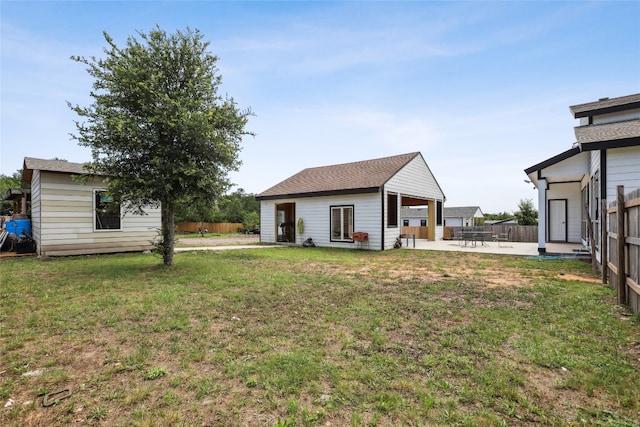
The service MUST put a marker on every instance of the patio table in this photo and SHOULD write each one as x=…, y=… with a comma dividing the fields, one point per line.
x=476, y=236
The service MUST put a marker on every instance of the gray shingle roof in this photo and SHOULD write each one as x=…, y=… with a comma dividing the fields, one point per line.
x=461, y=211
x=31, y=164
x=605, y=104
x=608, y=131
x=347, y=178
x=407, y=213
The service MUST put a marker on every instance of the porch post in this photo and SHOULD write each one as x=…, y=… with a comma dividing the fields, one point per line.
x=542, y=215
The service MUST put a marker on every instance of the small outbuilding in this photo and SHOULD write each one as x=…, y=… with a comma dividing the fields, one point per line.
x=72, y=216
x=351, y=205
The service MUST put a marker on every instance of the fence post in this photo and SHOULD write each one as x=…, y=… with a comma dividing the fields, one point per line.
x=604, y=241
x=621, y=284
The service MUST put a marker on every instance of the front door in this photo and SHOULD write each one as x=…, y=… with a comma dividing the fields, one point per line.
x=558, y=220
x=285, y=222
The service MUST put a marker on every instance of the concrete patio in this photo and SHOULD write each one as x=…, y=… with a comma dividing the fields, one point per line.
x=505, y=248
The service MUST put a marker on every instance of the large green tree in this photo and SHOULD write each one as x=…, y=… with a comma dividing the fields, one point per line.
x=157, y=128
x=6, y=183
x=526, y=213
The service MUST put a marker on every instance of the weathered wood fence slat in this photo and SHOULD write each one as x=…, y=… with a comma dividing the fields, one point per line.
x=623, y=261
x=419, y=232
x=211, y=227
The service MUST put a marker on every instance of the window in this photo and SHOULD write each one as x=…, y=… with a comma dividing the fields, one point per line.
x=106, y=211
x=341, y=223
x=392, y=210
x=439, y=213
x=423, y=223
x=405, y=222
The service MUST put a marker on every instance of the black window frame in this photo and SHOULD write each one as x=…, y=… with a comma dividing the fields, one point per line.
x=331, y=223
x=392, y=214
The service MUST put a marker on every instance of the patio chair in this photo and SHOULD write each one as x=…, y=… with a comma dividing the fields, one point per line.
x=457, y=235
x=504, y=237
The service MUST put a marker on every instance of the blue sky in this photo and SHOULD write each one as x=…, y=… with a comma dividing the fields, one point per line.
x=482, y=89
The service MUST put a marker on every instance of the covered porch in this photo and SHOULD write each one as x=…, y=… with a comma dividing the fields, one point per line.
x=560, y=182
x=427, y=232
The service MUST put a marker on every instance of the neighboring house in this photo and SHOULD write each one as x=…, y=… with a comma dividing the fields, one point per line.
x=75, y=217
x=415, y=217
x=463, y=216
x=334, y=202
x=606, y=154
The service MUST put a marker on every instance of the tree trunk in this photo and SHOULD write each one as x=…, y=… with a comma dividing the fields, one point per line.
x=168, y=232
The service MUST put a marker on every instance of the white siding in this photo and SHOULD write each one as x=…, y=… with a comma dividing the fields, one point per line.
x=623, y=168
x=268, y=221
x=570, y=192
x=65, y=225
x=35, y=208
x=315, y=213
x=453, y=222
x=577, y=165
x=414, y=180
x=616, y=117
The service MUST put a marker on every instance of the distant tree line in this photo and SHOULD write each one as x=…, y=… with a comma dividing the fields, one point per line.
x=237, y=207
x=525, y=215
x=8, y=182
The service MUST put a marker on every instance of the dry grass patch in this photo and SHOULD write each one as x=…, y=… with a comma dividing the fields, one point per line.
x=311, y=337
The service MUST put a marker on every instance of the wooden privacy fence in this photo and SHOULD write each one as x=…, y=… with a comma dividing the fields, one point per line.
x=212, y=227
x=419, y=232
x=623, y=263
x=519, y=233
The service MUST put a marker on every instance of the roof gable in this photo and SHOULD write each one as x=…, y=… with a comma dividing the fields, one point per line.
x=348, y=178
x=31, y=164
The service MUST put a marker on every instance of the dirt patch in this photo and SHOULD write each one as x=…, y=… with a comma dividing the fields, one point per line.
x=579, y=278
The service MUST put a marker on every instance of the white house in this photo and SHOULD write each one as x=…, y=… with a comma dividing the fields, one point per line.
x=572, y=184
x=72, y=217
x=462, y=216
x=332, y=203
x=415, y=217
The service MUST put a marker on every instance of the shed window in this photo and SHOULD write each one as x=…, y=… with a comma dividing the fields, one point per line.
x=405, y=222
x=106, y=211
x=423, y=223
x=342, y=223
x=392, y=210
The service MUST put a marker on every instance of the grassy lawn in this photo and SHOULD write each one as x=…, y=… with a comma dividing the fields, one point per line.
x=314, y=337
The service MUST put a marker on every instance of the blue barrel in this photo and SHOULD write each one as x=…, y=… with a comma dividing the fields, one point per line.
x=16, y=226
